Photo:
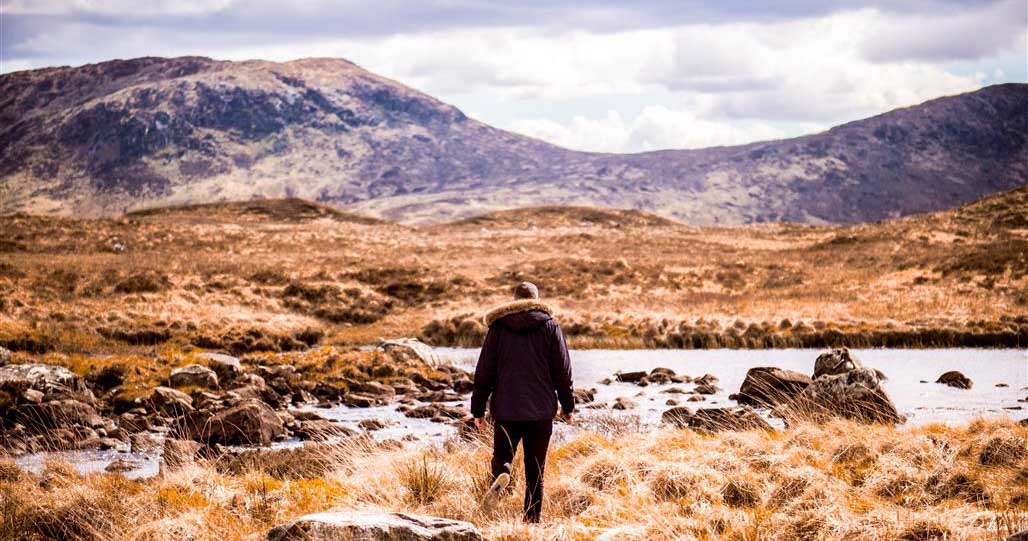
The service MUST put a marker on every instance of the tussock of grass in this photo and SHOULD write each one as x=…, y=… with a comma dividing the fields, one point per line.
x=831, y=481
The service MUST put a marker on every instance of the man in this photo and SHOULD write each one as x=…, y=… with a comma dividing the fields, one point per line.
x=523, y=373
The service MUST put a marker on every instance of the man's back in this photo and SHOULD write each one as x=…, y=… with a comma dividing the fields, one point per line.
x=524, y=365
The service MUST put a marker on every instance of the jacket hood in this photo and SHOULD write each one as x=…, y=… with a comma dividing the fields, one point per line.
x=520, y=315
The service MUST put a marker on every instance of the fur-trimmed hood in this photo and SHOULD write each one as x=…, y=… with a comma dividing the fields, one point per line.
x=513, y=307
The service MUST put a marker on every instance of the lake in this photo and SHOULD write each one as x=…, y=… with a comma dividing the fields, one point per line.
x=906, y=369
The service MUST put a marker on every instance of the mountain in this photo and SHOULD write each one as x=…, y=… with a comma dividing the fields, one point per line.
x=108, y=138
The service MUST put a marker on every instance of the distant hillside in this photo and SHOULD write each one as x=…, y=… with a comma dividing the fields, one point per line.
x=107, y=138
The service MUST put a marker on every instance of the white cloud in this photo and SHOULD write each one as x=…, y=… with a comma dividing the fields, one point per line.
x=656, y=127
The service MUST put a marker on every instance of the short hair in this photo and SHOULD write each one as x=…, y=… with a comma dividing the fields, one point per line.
x=526, y=290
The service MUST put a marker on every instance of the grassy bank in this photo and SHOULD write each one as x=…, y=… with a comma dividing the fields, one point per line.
x=810, y=482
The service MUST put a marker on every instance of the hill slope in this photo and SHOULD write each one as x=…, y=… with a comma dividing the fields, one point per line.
x=106, y=138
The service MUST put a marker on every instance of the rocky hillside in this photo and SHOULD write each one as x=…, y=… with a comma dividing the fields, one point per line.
x=123, y=135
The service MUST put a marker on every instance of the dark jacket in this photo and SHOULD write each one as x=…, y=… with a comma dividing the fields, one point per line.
x=524, y=368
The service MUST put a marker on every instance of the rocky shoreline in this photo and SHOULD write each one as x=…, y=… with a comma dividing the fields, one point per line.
x=218, y=401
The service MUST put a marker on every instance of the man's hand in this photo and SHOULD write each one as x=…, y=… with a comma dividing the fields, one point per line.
x=569, y=418
x=480, y=423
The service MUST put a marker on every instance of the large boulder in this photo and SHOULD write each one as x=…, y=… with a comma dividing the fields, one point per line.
x=371, y=526
x=250, y=422
x=45, y=378
x=170, y=402
x=716, y=419
x=58, y=414
x=412, y=351
x=193, y=375
x=767, y=386
x=954, y=378
x=836, y=361
x=856, y=394
x=226, y=367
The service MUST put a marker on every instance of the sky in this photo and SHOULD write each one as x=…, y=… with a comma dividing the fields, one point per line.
x=606, y=76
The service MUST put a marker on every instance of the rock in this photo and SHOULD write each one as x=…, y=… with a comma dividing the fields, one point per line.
x=357, y=400
x=57, y=414
x=320, y=430
x=171, y=402
x=372, y=424
x=954, y=378
x=307, y=415
x=32, y=396
x=671, y=402
x=606, y=381
x=226, y=367
x=433, y=411
x=372, y=388
x=251, y=422
x=178, y=453
x=463, y=385
x=674, y=390
x=856, y=394
x=696, y=398
x=707, y=388
x=768, y=386
x=193, y=375
x=132, y=423
x=630, y=377
x=716, y=419
x=372, y=526
x=411, y=350
x=1002, y=385
x=45, y=378
x=624, y=404
x=584, y=396
x=144, y=443
x=120, y=465
x=5, y=356
x=643, y=382
x=836, y=361
x=661, y=370
x=706, y=379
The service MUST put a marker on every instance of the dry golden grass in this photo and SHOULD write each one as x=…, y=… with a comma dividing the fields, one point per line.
x=813, y=482
x=266, y=275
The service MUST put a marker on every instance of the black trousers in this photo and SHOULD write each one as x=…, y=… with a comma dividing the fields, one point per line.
x=534, y=437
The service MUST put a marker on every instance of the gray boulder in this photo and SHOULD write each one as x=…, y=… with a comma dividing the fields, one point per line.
x=193, y=375
x=371, y=526
x=856, y=394
x=45, y=378
x=954, y=378
x=767, y=386
x=250, y=422
x=411, y=350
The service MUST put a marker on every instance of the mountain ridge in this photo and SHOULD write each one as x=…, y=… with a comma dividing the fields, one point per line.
x=108, y=138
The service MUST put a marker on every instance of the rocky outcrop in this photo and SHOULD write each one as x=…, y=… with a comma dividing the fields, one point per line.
x=48, y=379
x=715, y=419
x=956, y=379
x=371, y=526
x=768, y=386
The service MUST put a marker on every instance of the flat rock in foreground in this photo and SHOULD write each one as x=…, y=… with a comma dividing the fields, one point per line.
x=371, y=526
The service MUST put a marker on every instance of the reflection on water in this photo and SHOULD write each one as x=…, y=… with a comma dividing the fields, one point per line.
x=906, y=369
